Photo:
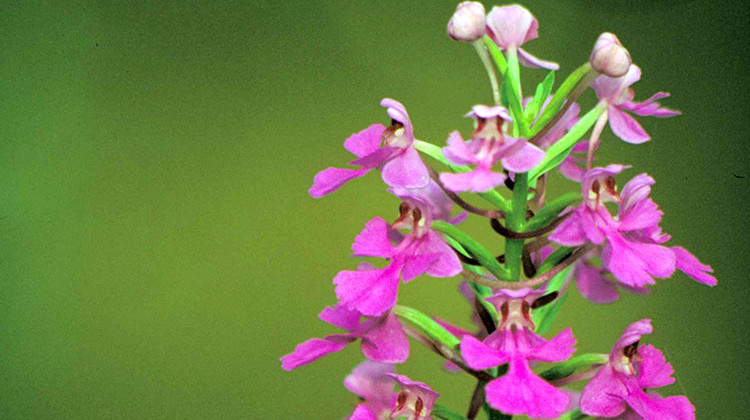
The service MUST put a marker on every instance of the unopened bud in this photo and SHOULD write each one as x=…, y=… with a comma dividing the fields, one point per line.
x=467, y=23
x=609, y=57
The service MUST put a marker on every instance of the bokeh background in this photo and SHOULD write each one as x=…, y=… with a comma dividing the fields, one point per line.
x=159, y=250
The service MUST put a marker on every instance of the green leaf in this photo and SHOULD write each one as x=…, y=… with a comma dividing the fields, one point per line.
x=555, y=104
x=496, y=54
x=542, y=92
x=426, y=326
x=482, y=292
x=544, y=316
x=570, y=366
x=562, y=148
x=493, y=414
x=442, y=412
x=479, y=252
x=551, y=210
x=493, y=197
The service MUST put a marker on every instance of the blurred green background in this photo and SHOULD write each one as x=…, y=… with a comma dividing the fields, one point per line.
x=159, y=250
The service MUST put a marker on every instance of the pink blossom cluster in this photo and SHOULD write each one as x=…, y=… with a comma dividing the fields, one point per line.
x=603, y=239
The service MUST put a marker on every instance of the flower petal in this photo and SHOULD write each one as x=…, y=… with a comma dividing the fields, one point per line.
x=569, y=232
x=447, y=263
x=314, y=349
x=342, y=317
x=479, y=180
x=373, y=241
x=593, y=285
x=654, y=370
x=406, y=170
x=386, y=342
x=479, y=355
x=363, y=412
x=331, y=179
x=602, y=395
x=688, y=264
x=626, y=127
x=555, y=350
x=366, y=141
x=370, y=382
x=457, y=151
x=523, y=157
x=528, y=60
x=371, y=292
x=520, y=391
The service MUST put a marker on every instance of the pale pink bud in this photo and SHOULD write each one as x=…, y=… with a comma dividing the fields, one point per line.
x=467, y=23
x=609, y=57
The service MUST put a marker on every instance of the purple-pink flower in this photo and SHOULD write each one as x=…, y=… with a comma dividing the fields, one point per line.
x=618, y=389
x=632, y=241
x=371, y=382
x=487, y=146
x=415, y=401
x=396, y=158
x=512, y=26
x=519, y=391
x=383, y=339
x=616, y=93
x=374, y=291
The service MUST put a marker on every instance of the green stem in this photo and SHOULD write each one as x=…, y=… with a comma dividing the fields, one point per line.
x=515, y=220
x=485, y=57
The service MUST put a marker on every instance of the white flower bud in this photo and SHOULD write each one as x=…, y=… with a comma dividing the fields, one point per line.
x=467, y=23
x=609, y=57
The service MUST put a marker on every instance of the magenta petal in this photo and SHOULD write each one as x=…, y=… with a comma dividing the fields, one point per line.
x=370, y=382
x=690, y=265
x=555, y=350
x=331, y=179
x=632, y=334
x=406, y=170
x=570, y=170
x=370, y=292
x=478, y=180
x=447, y=263
x=635, y=191
x=626, y=127
x=387, y=342
x=479, y=355
x=601, y=395
x=523, y=158
x=653, y=407
x=593, y=285
x=569, y=232
x=457, y=151
x=417, y=265
x=363, y=412
x=654, y=370
x=642, y=215
x=342, y=317
x=314, y=349
x=377, y=157
x=366, y=141
x=511, y=26
x=528, y=60
x=520, y=391
x=634, y=263
x=373, y=241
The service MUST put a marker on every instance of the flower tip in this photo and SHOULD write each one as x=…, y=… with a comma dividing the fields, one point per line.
x=609, y=57
x=467, y=22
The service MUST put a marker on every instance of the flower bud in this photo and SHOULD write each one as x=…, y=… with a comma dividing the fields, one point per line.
x=467, y=23
x=609, y=57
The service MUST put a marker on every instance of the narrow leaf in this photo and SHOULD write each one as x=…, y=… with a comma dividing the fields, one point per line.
x=551, y=210
x=496, y=54
x=442, y=412
x=479, y=252
x=544, y=316
x=562, y=148
x=555, y=104
x=542, y=92
x=426, y=326
x=570, y=366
